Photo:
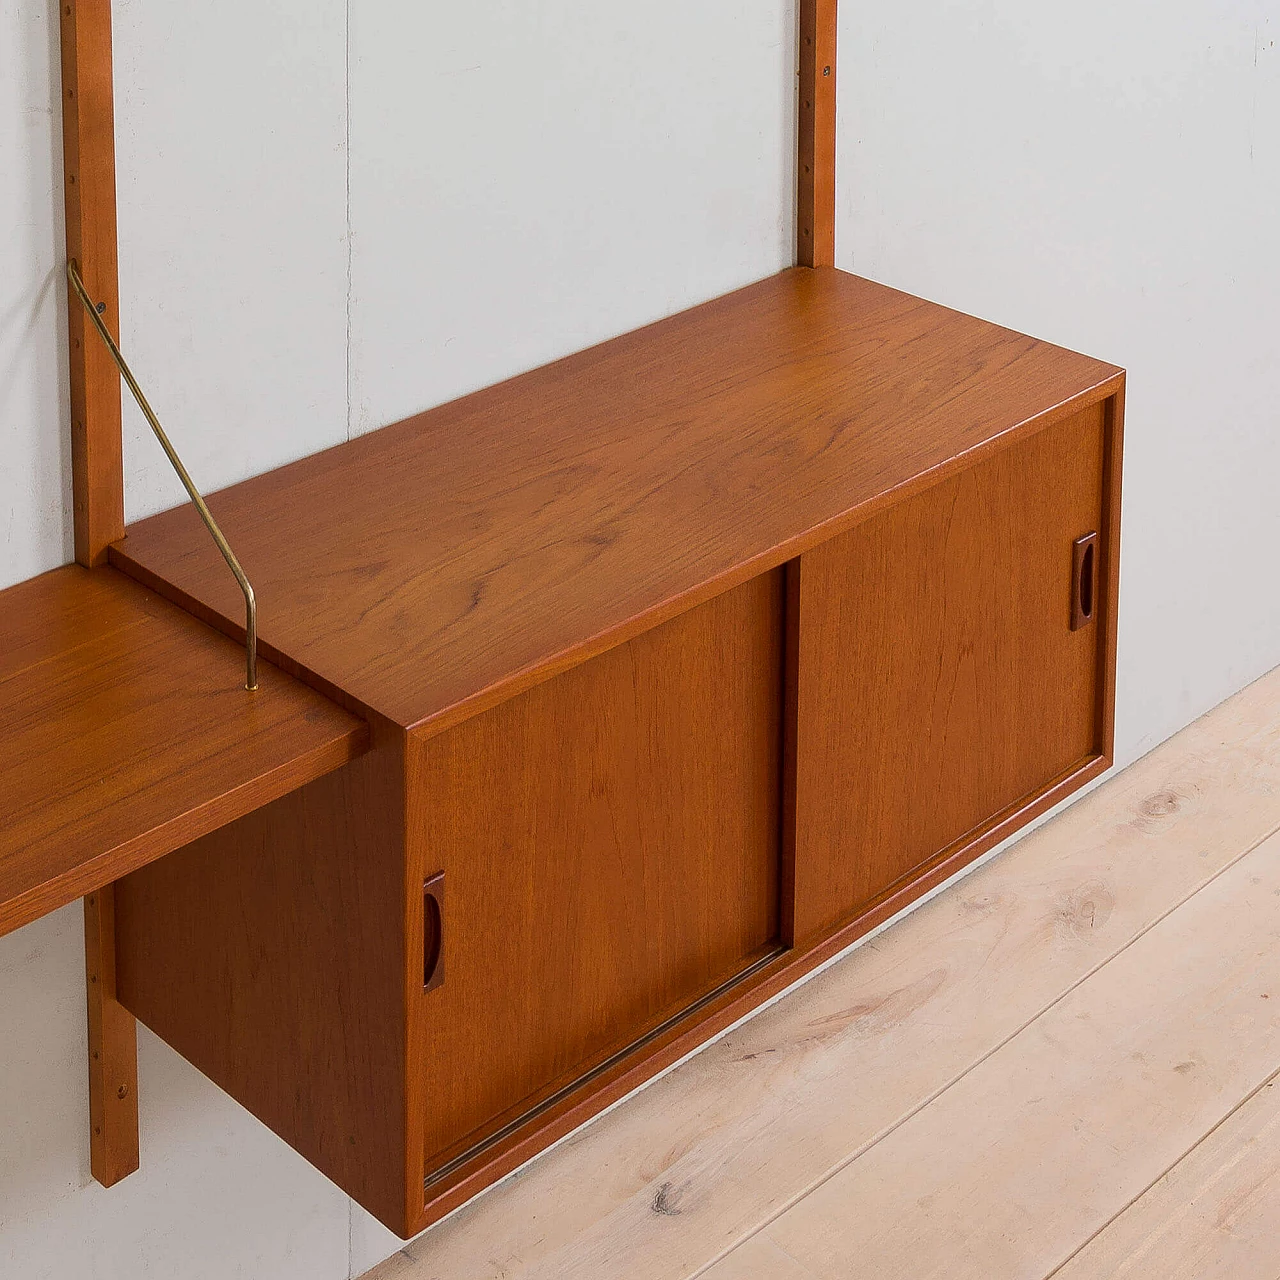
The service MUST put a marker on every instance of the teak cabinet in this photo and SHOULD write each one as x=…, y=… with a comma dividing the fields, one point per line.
x=686, y=661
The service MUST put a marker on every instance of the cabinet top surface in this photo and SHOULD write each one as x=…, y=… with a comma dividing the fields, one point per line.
x=429, y=569
x=126, y=731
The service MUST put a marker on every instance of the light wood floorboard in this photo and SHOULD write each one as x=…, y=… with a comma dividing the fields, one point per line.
x=848, y=1069
x=1040, y=1146
x=1214, y=1216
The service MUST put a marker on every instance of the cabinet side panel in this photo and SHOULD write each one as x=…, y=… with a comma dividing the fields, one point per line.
x=1109, y=580
x=940, y=684
x=609, y=843
x=270, y=954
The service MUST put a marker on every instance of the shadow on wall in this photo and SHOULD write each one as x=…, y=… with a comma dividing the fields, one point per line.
x=217, y=1193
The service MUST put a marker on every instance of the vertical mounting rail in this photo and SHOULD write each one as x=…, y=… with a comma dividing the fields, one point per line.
x=816, y=160
x=113, y=1049
x=89, y=178
x=97, y=471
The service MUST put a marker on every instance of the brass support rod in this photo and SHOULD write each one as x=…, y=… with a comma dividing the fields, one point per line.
x=250, y=602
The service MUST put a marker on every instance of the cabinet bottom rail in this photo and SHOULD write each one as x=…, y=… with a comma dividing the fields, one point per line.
x=635, y=1046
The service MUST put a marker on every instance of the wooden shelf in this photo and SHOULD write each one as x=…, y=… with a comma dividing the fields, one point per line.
x=431, y=569
x=126, y=732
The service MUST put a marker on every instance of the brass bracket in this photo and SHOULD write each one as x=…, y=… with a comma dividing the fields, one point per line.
x=250, y=601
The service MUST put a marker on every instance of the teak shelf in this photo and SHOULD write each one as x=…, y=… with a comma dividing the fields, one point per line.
x=688, y=658
x=127, y=733
x=596, y=708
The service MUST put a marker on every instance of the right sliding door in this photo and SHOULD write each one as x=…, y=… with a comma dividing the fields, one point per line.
x=947, y=667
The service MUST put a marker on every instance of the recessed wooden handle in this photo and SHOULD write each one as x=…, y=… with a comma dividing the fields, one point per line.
x=433, y=932
x=1084, y=580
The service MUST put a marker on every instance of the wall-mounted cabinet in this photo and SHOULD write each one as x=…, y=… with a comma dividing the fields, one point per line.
x=686, y=660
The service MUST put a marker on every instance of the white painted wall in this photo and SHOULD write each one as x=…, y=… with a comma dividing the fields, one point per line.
x=1106, y=174
x=35, y=450
x=525, y=180
x=231, y=188
x=276, y=300
x=529, y=179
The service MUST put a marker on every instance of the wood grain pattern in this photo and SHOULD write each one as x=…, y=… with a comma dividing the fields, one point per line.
x=126, y=732
x=610, y=840
x=272, y=955
x=431, y=569
x=816, y=167
x=1027, y=1155
x=89, y=178
x=700, y=1159
x=1213, y=1216
x=939, y=679
x=113, y=1049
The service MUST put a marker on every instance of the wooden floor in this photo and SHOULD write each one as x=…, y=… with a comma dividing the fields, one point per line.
x=1062, y=1066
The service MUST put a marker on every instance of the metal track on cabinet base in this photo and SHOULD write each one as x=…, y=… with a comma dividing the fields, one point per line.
x=689, y=1011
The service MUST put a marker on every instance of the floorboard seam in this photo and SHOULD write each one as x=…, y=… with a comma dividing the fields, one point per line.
x=1204, y=1137
x=863, y=1148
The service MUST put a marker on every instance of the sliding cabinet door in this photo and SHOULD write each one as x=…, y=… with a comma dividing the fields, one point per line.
x=607, y=851
x=948, y=667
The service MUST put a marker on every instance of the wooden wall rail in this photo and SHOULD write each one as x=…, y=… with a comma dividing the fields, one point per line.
x=97, y=478
x=113, y=1049
x=816, y=167
x=89, y=176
